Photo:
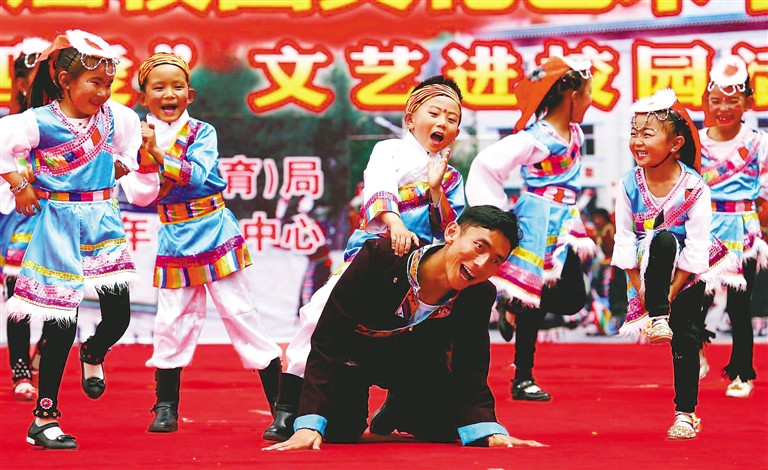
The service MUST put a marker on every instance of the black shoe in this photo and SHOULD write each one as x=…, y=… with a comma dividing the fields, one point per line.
x=166, y=417
x=528, y=390
x=380, y=422
x=92, y=386
x=36, y=437
x=506, y=329
x=281, y=428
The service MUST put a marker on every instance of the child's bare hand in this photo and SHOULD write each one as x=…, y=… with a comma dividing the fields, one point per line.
x=148, y=136
x=26, y=201
x=402, y=239
x=120, y=170
x=28, y=173
x=437, y=170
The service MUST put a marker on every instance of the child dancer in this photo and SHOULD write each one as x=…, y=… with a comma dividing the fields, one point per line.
x=734, y=165
x=410, y=195
x=663, y=242
x=78, y=241
x=15, y=232
x=544, y=273
x=199, y=243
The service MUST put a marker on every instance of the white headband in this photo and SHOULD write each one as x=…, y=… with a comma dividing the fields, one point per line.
x=729, y=74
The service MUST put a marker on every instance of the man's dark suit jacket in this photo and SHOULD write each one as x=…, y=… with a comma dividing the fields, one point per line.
x=367, y=297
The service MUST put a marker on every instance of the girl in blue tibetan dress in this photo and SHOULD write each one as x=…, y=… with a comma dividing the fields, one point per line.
x=78, y=242
x=544, y=273
x=664, y=245
x=199, y=246
x=410, y=194
x=735, y=166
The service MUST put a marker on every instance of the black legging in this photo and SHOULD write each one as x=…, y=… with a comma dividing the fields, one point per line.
x=566, y=297
x=115, y=309
x=18, y=340
x=59, y=338
x=115, y=317
x=686, y=321
x=738, y=308
x=658, y=273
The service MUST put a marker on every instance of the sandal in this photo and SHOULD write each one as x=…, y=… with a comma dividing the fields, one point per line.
x=686, y=426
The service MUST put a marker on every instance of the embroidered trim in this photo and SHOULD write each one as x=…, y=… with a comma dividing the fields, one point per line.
x=739, y=159
x=194, y=209
x=379, y=202
x=177, y=165
x=88, y=196
x=231, y=256
x=560, y=163
x=647, y=220
x=559, y=194
x=82, y=149
x=733, y=206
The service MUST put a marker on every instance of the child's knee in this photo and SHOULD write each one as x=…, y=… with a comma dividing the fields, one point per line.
x=664, y=243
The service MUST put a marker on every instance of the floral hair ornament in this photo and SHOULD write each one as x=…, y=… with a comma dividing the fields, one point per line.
x=663, y=105
x=31, y=48
x=729, y=74
x=532, y=89
x=86, y=44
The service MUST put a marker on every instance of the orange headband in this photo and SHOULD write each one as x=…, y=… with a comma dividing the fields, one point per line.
x=159, y=59
x=420, y=96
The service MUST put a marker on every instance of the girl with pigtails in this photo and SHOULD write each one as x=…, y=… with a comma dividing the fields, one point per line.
x=663, y=243
x=72, y=133
x=544, y=273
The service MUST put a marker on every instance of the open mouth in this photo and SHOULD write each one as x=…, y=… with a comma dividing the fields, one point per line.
x=169, y=109
x=436, y=138
x=466, y=274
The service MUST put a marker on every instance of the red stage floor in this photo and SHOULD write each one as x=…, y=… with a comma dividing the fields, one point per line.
x=611, y=409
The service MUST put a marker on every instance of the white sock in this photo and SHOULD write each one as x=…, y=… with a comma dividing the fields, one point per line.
x=93, y=370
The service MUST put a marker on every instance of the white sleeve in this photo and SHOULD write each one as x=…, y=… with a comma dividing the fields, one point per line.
x=625, y=240
x=127, y=135
x=694, y=256
x=140, y=189
x=762, y=159
x=379, y=179
x=491, y=167
x=18, y=134
x=380, y=174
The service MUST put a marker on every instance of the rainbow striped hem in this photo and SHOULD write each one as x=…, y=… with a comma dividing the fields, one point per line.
x=174, y=273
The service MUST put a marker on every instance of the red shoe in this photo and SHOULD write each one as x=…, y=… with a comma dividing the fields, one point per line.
x=23, y=390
